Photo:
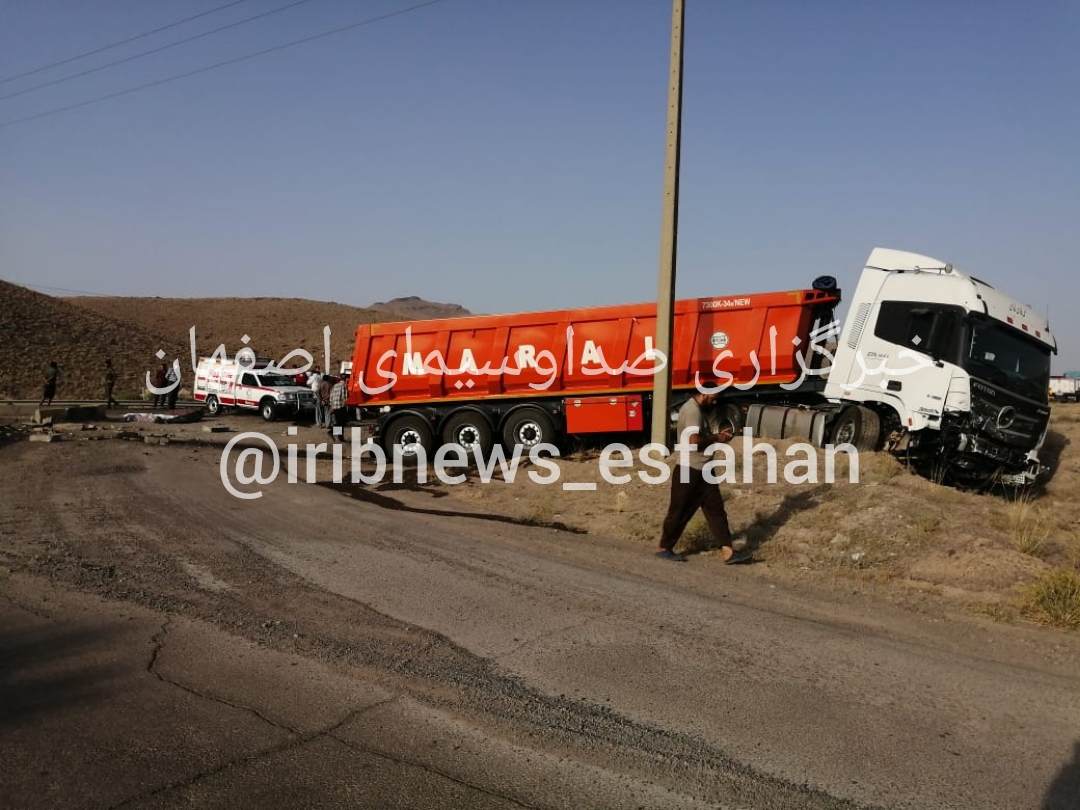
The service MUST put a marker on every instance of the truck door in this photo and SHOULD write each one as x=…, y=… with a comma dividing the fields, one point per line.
x=906, y=357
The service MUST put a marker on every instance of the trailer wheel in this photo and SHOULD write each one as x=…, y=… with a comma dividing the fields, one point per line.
x=527, y=427
x=858, y=426
x=411, y=432
x=469, y=429
x=213, y=407
x=268, y=409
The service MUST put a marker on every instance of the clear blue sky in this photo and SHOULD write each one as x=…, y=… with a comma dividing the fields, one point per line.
x=508, y=154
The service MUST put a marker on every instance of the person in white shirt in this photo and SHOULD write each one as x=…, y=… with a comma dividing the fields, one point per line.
x=322, y=419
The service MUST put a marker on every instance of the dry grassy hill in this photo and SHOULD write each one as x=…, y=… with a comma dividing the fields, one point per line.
x=275, y=326
x=36, y=328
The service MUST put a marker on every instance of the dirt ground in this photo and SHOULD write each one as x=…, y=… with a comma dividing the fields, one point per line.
x=386, y=645
x=874, y=528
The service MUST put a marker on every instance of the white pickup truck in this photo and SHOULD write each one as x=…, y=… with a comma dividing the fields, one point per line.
x=250, y=386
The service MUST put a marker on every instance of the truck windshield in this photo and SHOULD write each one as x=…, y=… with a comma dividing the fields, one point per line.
x=1000, y=355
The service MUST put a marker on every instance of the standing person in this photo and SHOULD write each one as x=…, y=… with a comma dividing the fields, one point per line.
x=110, y=384
x=322, y=395
x=314, y=381
x=339, y=414
x=160, y=382
x=172, y=378
x=690, y=490
x=49, y=391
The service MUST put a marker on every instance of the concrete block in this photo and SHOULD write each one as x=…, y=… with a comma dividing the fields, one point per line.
x=42, y=437
x=45, y=416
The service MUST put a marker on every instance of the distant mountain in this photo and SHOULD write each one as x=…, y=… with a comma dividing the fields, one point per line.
x=414, y=308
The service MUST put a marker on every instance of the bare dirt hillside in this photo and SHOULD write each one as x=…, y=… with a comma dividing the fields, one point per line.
x=274, y=326
x=36, y=329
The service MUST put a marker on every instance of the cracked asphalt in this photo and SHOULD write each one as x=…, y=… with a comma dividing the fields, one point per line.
x=163, y=644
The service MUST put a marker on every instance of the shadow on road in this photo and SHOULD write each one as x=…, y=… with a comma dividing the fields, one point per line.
x=44, y=670
x=367, y=494
x=1064, y=791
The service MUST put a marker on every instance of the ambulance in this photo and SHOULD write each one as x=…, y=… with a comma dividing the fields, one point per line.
x=251, y=384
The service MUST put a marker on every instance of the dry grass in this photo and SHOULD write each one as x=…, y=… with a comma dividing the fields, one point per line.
x=1027, y=524
x=1054, y=599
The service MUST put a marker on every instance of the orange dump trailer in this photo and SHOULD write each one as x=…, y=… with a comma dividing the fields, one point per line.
x=534, y=377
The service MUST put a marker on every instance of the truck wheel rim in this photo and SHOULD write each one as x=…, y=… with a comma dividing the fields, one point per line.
x=845, y=433
x=529, y=434
x=468, y=436
x=409, y=441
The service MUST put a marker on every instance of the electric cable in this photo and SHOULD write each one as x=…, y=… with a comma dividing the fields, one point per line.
x=208, y=68
x=121, y=42
x=159, y=49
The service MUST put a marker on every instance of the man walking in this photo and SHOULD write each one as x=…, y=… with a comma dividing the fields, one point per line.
x=49, y=391
x=690, y=490
x=110, y=384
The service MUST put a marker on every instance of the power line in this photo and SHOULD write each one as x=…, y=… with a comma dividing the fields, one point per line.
x=154, y=50
x=63, y=289
x=121, y=42
x=219, y=64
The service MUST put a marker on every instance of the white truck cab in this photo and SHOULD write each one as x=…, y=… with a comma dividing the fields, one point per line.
x=250, y=384
x=951, y=370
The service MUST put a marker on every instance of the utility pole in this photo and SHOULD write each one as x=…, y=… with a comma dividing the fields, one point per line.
x=665, y=301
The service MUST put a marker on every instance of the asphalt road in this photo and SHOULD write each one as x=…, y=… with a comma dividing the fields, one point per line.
x=164, y=644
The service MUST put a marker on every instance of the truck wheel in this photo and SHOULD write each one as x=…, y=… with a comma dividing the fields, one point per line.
x=470, y=430
x=213, y=407
x=527, y=427
x=410, y=432
x=732, y=415
x=858, y=426
x=268, y=409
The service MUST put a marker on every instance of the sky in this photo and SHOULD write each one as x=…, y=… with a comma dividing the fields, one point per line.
x=508, y=155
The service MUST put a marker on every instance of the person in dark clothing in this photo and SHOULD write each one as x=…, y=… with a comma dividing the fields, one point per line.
x=172, y=379
x=160, y=383
x=51, y=374
x=691, y=491
x=110, y=384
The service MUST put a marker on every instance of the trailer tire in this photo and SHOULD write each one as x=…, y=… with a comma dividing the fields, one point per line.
x=469, y=429
x=409, y=430
x=528, y=427
x=213, y=407
x=859, y=426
